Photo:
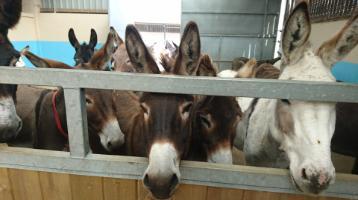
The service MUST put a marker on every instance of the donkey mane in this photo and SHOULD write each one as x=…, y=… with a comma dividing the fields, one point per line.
x=10, y=13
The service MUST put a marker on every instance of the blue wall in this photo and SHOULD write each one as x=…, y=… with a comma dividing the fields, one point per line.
x=60, y=51
x=64, y=52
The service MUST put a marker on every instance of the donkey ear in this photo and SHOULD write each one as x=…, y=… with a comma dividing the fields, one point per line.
x=206, y=67
x=73, y=40
x=138, y=52
x=189, y=51
x=118, y=40
x=341, y=44
x=93, y=39
x=43, y=63
x=247, y=71
x=100, y=58
x=296, y=33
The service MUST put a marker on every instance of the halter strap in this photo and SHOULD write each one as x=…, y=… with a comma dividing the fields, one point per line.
x=57, y=117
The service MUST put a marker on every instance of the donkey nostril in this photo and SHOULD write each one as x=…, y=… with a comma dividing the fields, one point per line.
x=19, y=126
x=109, y=144
x=146, y=180
x=304, y=175
x=174, y=181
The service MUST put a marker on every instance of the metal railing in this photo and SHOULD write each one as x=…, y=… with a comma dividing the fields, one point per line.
x=81, y=161
x=323, y=10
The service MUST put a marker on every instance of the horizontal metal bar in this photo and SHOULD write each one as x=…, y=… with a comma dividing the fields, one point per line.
x=217, y=175
x=77, y=122
x=237, y=35
x=265, y=88
x=225, y=13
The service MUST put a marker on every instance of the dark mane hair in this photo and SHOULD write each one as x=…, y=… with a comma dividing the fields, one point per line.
x=10, y=12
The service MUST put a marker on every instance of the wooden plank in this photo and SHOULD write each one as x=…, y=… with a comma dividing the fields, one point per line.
x=215, y=193
x=252, y=195
x=142, y=193
x=86, y=187
x=114, y=189
x=306, y=197
x=5, y=186
x=25, y=184
x=185, y=191
x=55, y=186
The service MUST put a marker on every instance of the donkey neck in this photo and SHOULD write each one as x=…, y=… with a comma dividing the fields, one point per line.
x=261, y=146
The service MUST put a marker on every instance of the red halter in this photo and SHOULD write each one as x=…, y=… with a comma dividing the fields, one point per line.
x=57, y=117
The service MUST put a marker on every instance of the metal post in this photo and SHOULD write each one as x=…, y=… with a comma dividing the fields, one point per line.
x=77, y=122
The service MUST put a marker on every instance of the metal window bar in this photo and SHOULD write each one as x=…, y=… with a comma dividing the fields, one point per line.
x=323, y=10
x=157, y=27
x=81, y=161
x=75, y=6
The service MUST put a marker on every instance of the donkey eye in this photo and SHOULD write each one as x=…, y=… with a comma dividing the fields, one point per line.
x=89, y=101
x=204, y=119
x=187, y=108
x=286, y=101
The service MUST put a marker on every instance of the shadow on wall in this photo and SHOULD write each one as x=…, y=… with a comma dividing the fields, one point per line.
x=60, y=51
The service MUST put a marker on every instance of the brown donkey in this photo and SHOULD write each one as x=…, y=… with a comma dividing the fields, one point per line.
x=214, y=123
x=105, y=134
x=156, y=125
x=10, y=123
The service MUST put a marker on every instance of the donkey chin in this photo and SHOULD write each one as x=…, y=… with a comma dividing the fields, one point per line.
x=112, y=136
x=313, y=180
x=10, y=122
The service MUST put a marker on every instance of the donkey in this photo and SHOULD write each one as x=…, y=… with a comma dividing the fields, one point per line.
x=84, y=51
x=156, y=125
x=214, y=118
x=214, y=123
x=10, y=123
x=120, y=59
x=105, y=135
x=297, y=134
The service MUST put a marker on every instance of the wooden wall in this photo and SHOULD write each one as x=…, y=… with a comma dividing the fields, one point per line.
x=32, y=185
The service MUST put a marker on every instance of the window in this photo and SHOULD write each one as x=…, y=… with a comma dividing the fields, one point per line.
x=75, y=6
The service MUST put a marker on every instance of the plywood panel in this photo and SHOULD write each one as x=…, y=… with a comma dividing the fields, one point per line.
x=305, y=197
x=196, y=192
x=86, y=188
x=55, y=186
x=253, y=195
x=224, y=194
x=25, y=184
x=5, y=187
x=142, y=193
x=119, y=189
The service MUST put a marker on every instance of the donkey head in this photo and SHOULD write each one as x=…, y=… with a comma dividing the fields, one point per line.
x=120, y=60
x=306, y=128
x=84, y=51
x=102, y=121
x=10, y=123
x=167, y=123
x=215, y=119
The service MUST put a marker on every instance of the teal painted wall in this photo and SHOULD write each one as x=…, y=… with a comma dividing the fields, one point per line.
x=59, y=51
